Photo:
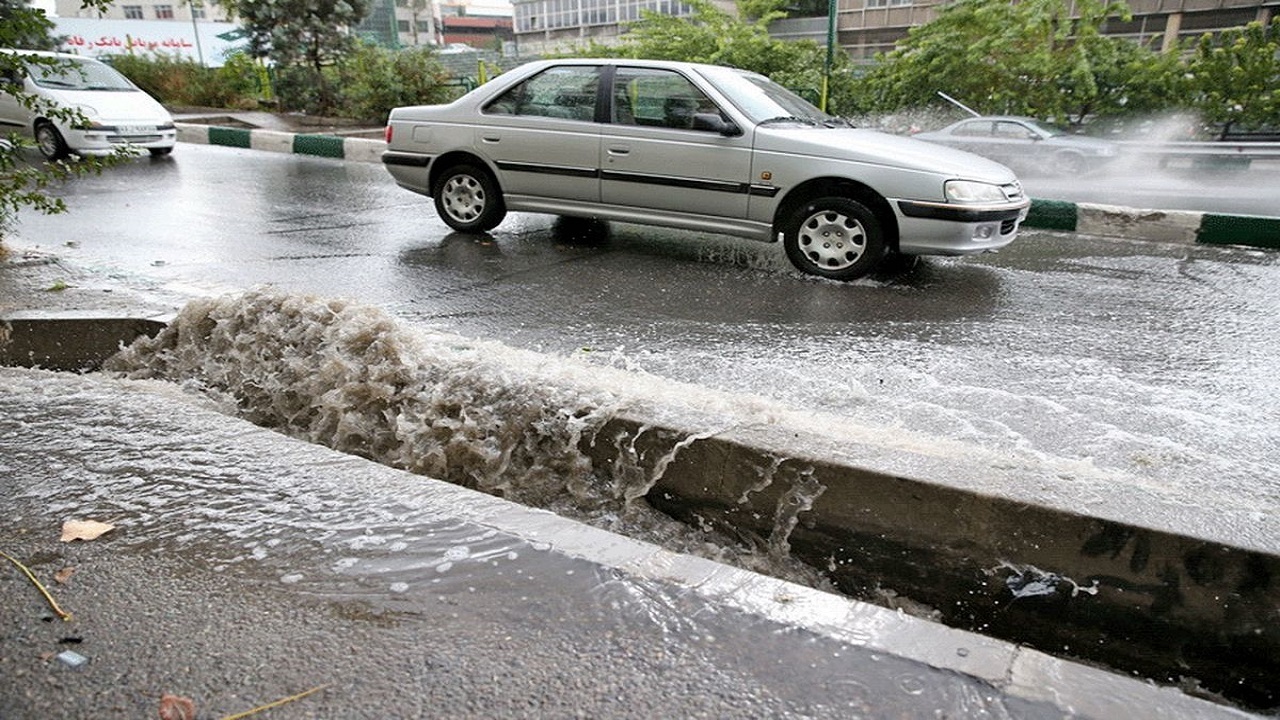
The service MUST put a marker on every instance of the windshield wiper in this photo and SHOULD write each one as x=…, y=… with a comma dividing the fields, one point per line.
x=791, y=119
x=836, y=122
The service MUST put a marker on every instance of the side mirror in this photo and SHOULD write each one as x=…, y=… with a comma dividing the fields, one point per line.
x=714, y=122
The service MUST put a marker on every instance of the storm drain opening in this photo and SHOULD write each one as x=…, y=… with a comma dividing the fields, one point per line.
x=667, y=464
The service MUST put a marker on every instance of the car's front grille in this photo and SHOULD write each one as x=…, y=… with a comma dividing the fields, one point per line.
x=1008, y=226
x=1012, y=191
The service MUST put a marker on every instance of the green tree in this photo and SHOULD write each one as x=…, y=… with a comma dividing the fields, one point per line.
x=1046, y=58
x=23, y=184
x=1234, y=77
x=24, y=28
x=711, y=35
x=373, y=79
x=302, y=37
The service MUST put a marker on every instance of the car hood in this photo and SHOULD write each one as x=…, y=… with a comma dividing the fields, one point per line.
x=114, y=107
x=877, y=148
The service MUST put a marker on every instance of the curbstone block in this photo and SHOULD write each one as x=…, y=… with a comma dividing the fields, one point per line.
x=1134, y=224
x=364, y=150
x=1248, y=230
x=329, y=146
x=1051, y=215
x=271, y=141
x=230, y=137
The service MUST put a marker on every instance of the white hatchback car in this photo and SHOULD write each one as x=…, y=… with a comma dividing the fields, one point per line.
x=699, y=147
x=115, y=111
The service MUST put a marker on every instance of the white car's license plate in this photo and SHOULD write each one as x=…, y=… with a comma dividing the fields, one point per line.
x=135, y=129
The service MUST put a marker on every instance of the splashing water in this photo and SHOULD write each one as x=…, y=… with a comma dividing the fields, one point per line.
x=481, y=415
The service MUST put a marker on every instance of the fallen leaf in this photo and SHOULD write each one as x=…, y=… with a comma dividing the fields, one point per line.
x=176, y=707
x=84, y=530
x=62, y=576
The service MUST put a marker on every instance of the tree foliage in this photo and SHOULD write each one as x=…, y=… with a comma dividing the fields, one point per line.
x=1234, y=77
x=711, y=35
x=301, y=38
x=1047, y=58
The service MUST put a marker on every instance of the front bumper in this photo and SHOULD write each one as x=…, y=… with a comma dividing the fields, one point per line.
x=928, y=228
x=105, y=140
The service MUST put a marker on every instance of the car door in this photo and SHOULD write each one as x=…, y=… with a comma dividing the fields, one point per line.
x=1015, y=142
x=13, y=116
x=658, y=152
x=543, y=137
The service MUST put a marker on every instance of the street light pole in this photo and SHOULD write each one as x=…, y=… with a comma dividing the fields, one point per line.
x=831, y=48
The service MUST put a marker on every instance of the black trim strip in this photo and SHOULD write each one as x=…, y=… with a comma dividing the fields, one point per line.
x=391, y=157
x=956, y=213
x=549, y=169
x=691, y=183
x=663, y=180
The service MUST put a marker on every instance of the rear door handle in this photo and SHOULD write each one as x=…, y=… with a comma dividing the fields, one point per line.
x=619, y=151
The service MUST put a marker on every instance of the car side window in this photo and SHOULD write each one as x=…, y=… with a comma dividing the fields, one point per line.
x=1012, y=131
x=977, y=128
x=567, y=91
x=657, y=98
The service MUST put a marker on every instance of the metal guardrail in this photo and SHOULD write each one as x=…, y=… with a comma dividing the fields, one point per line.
x=1243, y=150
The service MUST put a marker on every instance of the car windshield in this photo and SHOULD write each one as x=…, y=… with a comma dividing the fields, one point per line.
x=74, y=74
x=765, y=101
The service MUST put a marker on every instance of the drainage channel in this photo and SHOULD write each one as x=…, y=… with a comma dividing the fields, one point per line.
x=1176, y=609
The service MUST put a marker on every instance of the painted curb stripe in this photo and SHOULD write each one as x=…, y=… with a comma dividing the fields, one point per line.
x=231, y=137
x=1248, y=230
x=1052, y=215
x=329, y=146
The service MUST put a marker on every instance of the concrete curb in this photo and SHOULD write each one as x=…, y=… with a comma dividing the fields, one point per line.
x=1103, y=220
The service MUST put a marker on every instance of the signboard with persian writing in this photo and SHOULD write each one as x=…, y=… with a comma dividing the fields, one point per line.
x=204, y=42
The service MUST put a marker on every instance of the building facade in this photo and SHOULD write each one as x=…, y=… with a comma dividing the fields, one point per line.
x=184, y=10
x=548, y=26
x=864, y=27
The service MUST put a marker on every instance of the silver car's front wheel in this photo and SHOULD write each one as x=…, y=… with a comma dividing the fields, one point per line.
x=50, y=141
x=834, y=237
x=468, y=199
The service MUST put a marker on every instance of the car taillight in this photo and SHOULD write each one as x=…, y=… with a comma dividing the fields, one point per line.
x=388, y=135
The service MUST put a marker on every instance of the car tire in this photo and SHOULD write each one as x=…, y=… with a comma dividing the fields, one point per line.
x=468, y=199
x=1069, y=163
x=50, y=142
x=835, y=238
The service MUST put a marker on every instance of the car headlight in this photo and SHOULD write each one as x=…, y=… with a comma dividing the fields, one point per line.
x=970, y=191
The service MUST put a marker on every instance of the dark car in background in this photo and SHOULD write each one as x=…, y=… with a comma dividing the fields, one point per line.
x=1026, y=144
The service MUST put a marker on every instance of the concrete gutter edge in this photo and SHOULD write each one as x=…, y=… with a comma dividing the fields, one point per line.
x=1088, y=219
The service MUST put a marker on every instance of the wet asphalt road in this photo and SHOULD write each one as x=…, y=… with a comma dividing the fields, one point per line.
x=1145, y=360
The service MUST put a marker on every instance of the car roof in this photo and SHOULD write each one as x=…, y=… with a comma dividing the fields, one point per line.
x=634, y=62
x=47, y=54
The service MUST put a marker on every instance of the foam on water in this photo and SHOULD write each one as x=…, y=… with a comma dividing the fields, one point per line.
x=478, y=414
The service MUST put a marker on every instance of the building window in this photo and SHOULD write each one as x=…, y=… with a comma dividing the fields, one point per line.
x=889, y=3
x=164, y=12
x=132, y=12
x=197, y=12
x=402, y=26
x=424, y=25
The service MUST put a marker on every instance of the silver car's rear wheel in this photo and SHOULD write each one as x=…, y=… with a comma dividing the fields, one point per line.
x=50, y=141
x=468, y=199
x=834, y=237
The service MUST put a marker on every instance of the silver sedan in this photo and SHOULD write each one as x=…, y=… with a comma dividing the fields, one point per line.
x=703, y=148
